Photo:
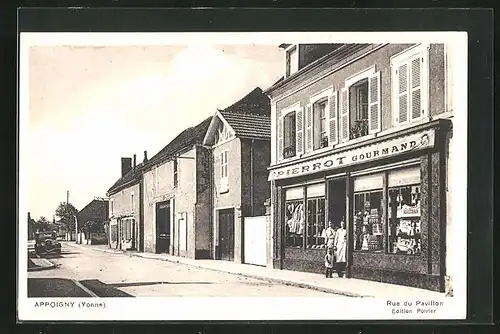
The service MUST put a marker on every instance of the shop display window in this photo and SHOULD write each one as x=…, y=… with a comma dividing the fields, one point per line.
x=368, y=227
x=315, y=222
x=404, y=220
x=294, y=223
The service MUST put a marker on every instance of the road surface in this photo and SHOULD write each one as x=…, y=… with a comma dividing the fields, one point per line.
x=81, y=272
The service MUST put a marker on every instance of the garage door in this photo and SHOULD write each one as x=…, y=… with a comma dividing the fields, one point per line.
x=254, y=240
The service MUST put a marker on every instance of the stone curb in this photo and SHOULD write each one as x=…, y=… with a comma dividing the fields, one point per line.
x=254, y=276
x=49, y=265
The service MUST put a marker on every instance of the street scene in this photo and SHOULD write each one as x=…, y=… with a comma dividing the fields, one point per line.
x=290, y=169
x=120, y=275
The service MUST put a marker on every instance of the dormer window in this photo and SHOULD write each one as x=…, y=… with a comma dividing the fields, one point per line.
x=292, y=60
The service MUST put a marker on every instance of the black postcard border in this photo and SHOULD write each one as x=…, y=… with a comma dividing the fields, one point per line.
x=477, y=22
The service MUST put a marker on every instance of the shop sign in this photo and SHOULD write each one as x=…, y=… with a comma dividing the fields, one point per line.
x=407, y=211
x=386, y=149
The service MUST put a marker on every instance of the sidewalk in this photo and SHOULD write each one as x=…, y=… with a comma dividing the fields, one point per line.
x=342, y=286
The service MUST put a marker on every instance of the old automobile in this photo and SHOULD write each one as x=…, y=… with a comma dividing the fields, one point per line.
x=46, y=242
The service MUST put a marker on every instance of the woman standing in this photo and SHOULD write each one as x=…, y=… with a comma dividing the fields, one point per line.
x=340, y=247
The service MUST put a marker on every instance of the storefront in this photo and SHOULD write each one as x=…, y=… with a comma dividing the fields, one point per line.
x=390, y=191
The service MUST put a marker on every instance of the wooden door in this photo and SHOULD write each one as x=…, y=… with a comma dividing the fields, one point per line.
x=226, y=234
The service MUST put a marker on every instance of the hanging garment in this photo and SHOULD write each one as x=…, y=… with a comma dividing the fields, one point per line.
x=340, y=242
x=301, y=220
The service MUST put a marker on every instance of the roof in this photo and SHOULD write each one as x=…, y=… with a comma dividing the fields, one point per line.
x=254, y=103
x=249, y=126
x=187, y=138
x=95, y=209
x=130, y=178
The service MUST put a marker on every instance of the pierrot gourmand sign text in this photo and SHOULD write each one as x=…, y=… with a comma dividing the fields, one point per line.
x=389, y=148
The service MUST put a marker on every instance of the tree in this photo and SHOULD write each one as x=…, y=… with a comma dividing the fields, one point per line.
x=66, y=213
x=41, y=224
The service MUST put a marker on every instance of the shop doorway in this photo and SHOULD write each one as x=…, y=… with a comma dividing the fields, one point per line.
x=226, y=234
x=336, y=201
x=162, y=227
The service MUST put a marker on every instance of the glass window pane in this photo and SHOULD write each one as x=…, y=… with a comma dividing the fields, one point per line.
x=294, y=219
x=368, y=228
x=404, y=220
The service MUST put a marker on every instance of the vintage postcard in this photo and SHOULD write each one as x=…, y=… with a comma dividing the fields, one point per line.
x=306, y=176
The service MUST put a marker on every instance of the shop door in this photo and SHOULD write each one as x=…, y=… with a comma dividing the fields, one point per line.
x=337, y=201
x=162, y=227
x=226, y=234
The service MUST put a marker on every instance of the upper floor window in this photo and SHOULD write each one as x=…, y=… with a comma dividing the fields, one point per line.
x=132, y=202
x=112, y=204
x=224, y=186
x=320, y=123
x=358, y=110
x=289, y=135
x=175, y=173
x=292, y=61
x=410, y=84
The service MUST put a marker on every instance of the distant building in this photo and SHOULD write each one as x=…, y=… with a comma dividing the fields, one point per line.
x=176, y=196
x=96, y=211
x=124, y=211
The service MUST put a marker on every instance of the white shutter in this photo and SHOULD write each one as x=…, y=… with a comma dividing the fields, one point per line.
x=299, y=131
x=416, y=105
x=333, y=120
x=279, y=153
x=402, y=93
x=374, y=117
x=309, y=128
x=344, y=114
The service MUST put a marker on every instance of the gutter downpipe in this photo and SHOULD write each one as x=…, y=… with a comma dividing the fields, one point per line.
x=252, y=205
x=211, y=200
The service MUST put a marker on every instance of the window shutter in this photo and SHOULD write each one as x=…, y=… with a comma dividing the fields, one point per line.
x=402, y=103
x=299, y=131
x=279, y=153
x=344, y=114
x=416, y=109
x=374, y=117
x=309, y=129
x=333, y=123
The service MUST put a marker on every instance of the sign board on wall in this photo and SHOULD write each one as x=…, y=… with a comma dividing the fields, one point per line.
x=386, y=149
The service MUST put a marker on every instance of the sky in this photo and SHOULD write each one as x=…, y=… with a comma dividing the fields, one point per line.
x=91, y=105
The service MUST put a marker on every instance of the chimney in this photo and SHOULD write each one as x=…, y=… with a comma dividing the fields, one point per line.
x=145, y=156
x=135, y=161
x=126, y=166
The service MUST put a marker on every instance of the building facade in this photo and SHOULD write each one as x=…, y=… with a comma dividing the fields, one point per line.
x=239, y=137
x=91, y=219
x=125, y=219
x=176, y=197
x=362, y=133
